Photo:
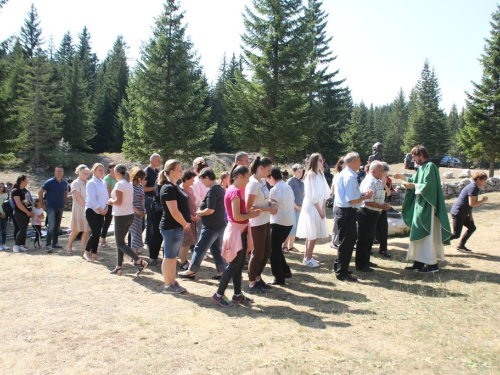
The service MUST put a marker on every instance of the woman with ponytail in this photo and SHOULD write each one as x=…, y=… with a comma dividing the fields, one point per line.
x=237, y=238
x=121, y=199
x=257, y=197
x=312, y=220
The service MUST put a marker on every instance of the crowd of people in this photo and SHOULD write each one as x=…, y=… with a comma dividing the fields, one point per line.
x=246, y=217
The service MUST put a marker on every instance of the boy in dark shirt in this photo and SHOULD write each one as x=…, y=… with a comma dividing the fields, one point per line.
x=461, y=211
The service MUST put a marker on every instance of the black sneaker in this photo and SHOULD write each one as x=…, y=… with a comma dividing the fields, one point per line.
x=463, y=249
x=57, y=246
x=429, y=268
x=416, y=266
x=242, y=299
x=221, y=301
x=346, y=278
x=263, y=285
x=256, y=289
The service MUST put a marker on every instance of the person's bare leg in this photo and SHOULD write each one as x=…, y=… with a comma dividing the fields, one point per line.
x=290, y=240
x=168, y=270
x=183, y=252
x=85, y=238
x=72, y=237
x=309, y=249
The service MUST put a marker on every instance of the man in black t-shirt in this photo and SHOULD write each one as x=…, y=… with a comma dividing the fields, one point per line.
x=151, y=177
x=461, y=211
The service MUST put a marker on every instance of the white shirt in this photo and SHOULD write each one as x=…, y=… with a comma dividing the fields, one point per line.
x=258, y=188
x=371, y=183
x=284, y=197
x=126, y=208
x=199, y=190
x=96, y=194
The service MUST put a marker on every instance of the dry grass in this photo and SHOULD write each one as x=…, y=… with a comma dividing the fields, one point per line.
x=62, y=315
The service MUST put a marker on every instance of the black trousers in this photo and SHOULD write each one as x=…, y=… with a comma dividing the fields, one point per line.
x=381, y=233
x=234, y=270
x=107, y=222
x=348, y=233
x=279, y=266
x=95, y=221
x=156, y=237
x=367, y=225
x=22, y=221
x=458, y=223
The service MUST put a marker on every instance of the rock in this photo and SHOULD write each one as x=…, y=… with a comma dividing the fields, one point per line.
x=494, y=179
x=397, y=226
x=464, y=173
x=448, y=174
x=489, y=188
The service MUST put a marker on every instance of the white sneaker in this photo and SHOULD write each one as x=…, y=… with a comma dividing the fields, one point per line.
x=313, y=263
x=15, y=249
x=22, y=248
x=2, y=247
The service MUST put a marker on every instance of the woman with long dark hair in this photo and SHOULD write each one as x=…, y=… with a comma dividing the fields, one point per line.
x=257, y=197
x=312, y=222
x=22, y=211
x=237, y=239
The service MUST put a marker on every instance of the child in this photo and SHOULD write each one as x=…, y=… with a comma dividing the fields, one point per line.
x=36, y=222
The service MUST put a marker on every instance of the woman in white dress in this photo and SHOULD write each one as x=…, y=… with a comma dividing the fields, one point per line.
x=312, y=221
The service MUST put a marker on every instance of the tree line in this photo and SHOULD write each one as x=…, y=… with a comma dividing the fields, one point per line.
x=280, y=96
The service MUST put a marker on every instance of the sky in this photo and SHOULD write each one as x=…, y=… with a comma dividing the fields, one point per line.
x=381, y=46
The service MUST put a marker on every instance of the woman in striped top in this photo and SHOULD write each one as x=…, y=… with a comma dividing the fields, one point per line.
x=137, y=176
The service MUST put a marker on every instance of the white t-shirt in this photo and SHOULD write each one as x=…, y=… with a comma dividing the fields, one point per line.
x=261, y=191
x=126, y=208
x=283, y=195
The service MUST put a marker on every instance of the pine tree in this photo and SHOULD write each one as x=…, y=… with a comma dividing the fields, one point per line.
x=357, y=135
x=88, y=61
x=37, y=109
x=31, y=34
x=111, y=85
x=166, y=110
x=2, y=3
x=273, y=108
x=426, y=121
x=396, y=128
x=454, y=125
x=480, y=138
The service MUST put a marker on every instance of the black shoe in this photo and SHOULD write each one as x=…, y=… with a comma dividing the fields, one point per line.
x=256, y=289
x=216, y=277
x=429, y=268
x=365, y=269
x=288, y=275
x=373, y=265
x=416, y=266
x=346, y=278
x=263, y=285
x=275, y=282
x=57, y=246
x=186, y=275
x=385, y=254
x=463, y=249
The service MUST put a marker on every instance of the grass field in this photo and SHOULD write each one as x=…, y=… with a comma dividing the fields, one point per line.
x=62, y=315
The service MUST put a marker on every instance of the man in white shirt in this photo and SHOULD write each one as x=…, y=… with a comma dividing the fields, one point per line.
x=368, y=215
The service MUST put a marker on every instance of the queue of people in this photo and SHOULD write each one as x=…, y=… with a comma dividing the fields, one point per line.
x=248, y=213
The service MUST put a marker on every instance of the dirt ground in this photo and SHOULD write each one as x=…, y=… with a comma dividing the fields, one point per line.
x=62, y=315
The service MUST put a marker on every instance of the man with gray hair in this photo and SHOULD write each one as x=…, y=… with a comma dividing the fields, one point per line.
x=151, y=177
x=241, y=158
x=348, y=199
x=369, y=214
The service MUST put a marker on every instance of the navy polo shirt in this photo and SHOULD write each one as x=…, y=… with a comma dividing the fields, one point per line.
x=151, y=177
x=55, y=192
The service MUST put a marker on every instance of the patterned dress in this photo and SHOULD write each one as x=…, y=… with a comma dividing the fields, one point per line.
x=138, y=224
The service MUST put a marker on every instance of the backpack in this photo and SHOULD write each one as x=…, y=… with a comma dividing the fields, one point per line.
x=7, y=208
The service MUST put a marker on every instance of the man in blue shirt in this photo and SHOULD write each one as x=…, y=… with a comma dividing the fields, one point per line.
x=348, y=199
x=56, y=190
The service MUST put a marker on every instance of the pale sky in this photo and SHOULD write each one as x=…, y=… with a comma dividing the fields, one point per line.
x=381, y=45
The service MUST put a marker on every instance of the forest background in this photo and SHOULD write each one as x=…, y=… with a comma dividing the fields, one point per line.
x=281, y=95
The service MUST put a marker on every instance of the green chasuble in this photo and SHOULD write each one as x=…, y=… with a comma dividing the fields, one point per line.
x=418, y=208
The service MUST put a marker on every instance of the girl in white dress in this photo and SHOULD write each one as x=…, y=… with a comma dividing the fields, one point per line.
x=312, y=221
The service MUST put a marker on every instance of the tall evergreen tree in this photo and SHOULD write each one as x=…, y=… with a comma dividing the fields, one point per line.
x=88, y=61
x=2, y=3
x=273, y=107
x=396, y=128
x=454, y=125
x=357, y=136
x=426, y=121
x=166, y=98
x=480, y=138
x=37, y=109
x=31, y=33
x=112, y=81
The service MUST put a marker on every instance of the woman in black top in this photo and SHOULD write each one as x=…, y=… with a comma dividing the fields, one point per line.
x=22, y=211
x=175, y=221
x=214, y=222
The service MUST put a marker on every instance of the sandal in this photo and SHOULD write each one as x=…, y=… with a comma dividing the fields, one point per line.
x=187, y=275
x=295, y=250
x=117, y=271
x=68, y=251
x=141, y=267
x=184, y=266
x=285, y=250
x=86, y=257
x=104, y=244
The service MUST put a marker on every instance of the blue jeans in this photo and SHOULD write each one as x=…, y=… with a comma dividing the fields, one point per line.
x=172, y=242
x=54, y=216
x=149, y=219
x=209, y=239
x=3, y=228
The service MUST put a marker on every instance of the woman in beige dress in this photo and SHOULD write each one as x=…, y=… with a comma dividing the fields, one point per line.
x=78, y=221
